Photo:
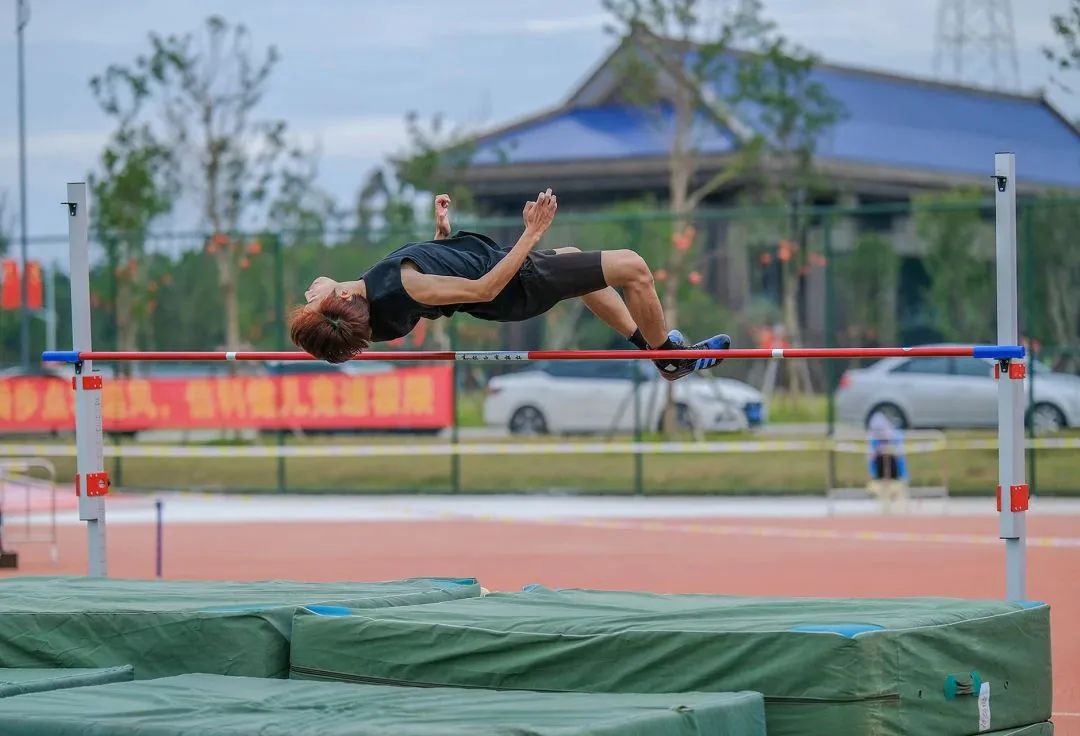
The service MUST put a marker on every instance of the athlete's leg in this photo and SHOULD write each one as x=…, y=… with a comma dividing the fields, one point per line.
x=628, y=271
x=638, y=316
x=607, y=305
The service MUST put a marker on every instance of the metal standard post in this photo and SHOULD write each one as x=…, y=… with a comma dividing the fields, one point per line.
x=89, y=470
x=1012, y=526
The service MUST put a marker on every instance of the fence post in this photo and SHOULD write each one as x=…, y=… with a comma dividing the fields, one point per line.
x=455, y=457
x=1027, y=216
x=830, y=342
x=639, y=459
x=159, y=532
x=279, y=321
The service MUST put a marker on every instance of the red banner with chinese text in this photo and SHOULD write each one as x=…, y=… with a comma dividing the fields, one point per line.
x=406, y=398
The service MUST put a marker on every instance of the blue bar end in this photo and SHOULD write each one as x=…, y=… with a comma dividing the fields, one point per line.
x=998, y=352
x=60, y=356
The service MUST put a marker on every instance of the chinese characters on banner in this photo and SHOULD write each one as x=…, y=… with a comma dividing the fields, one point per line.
x=417, y=398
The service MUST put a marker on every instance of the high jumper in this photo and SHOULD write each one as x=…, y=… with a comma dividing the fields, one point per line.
x=471, y=273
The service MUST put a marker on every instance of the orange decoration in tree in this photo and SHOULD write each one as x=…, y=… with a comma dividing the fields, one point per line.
x=11, y=294
x=34, y=286
x=254, y=247
x=682, y=241
x=694, y=277
x=661, y=274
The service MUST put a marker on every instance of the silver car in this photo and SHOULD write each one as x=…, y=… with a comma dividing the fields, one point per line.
x=565, y=397
x=950, y=392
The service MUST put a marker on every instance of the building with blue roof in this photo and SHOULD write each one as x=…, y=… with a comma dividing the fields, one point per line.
x=898, y=137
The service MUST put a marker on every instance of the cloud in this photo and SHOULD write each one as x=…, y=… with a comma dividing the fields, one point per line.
x=363, y=137
x=592, y=22
x=83, y=145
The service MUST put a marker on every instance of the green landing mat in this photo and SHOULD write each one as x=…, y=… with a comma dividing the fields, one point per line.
x=40, y=679
x=166, y=627
x=942, y=666
x=1035, y=729
x=231, y=706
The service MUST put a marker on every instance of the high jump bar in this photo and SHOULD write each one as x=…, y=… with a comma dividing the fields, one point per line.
x=994, y=352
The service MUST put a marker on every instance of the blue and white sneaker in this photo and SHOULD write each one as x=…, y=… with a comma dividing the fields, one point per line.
x=675, y=369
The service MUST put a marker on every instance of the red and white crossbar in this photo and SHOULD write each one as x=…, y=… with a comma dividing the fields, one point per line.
x=995, y=352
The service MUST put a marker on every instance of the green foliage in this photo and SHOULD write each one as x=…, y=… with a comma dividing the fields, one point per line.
x=1066, y=27
x=398, y=195
x=866, y=283
x=1050, y=262
x=5, y=223
x=206, y=88
x=959, y=257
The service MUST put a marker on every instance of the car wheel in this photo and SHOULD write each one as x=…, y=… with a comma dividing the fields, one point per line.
x=892, y=412
x=1047, y=418
x=528, y=420
x=684, y=419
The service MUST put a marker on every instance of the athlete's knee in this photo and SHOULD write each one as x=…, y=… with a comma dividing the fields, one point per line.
x=633, y=269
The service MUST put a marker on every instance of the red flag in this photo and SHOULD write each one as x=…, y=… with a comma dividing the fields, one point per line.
x=9, y=284
x=34, y=286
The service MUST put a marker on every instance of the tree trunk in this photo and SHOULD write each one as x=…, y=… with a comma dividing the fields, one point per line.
x=127, y=328
x=797, y=375
x=227, y=282
x=680, y=173
x=1062, y=310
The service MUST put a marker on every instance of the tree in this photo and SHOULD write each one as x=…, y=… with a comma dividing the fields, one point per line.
x=696, y=76
x=1056, y=265
x=1057, y=259
x=1066, y=27
x=208, y=87
x=867, y=280
x=134, y=188
x=794, y=112
x=395, y=199
x=398, y=194
x=960, y=261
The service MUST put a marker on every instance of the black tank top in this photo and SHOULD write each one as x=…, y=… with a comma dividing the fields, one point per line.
x=468, y=255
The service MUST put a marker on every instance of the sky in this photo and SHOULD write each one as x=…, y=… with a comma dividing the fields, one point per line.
x=351, y=69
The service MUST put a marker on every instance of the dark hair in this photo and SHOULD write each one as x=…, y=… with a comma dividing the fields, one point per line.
x=334, y=330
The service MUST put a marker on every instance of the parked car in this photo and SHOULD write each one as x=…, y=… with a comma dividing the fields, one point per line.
x=950, y=392
x=598, y=396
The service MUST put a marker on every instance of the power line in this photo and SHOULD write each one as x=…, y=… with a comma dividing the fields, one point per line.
x=975, y=42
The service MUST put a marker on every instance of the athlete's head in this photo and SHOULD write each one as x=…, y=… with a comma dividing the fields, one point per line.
x=334, y=325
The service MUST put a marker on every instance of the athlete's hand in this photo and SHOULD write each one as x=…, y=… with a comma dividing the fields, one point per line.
x=442, y=216
x=320, y=288
x=539, y=213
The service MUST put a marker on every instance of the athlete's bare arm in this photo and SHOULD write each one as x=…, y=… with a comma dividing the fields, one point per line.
x=442, y=216
x=435, y=290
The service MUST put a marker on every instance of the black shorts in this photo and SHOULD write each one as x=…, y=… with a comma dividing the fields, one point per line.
x=545, y=279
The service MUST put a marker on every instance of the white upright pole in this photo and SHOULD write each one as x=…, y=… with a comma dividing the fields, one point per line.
x=1012, y=489
x=91, y=481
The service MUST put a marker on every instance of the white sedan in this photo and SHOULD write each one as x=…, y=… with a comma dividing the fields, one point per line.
x=598, y=396
x=950, y=392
